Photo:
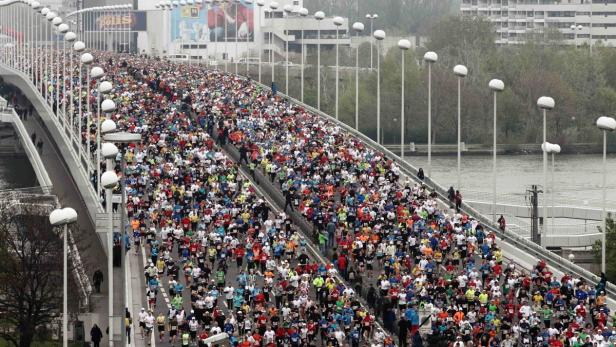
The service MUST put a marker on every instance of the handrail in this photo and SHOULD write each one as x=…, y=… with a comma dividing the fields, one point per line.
x=532, y=249
x=35, y=160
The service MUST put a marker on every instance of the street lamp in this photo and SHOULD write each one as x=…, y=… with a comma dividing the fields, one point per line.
x=260, y=4
x=552, y=149
x=404, y=46
x=78, y=47
x=338, y=21
x=288, y=9
x=303, y=12
x=121, y=138
x=545, y=103
x=57, y=21
x=69, y=37
x=273, y=7
x=575, y=29
x=249, y=4
x=371, y=17
x=358, y=28
x=460, y=71
x=379, y=35
x=109, y=180
x=605, y=124
x=430, y=58
x=496, y=86
x=63, y=217
x=319, y=16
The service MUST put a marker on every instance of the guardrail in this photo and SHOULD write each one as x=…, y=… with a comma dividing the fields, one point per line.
x=555, y=261
x=9, y=115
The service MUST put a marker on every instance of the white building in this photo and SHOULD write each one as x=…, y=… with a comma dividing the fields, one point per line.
x=580, y=21
x=190, y=31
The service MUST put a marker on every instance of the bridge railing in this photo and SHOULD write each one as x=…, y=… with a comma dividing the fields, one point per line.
x=533, y=250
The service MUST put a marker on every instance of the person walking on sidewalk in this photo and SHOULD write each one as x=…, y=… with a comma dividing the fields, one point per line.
x=96, y=335
x=98, y=280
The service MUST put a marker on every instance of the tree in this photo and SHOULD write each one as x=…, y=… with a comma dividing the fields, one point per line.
x=610, y=249
x=30, y=273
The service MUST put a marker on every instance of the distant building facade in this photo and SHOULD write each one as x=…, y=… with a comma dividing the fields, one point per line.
x=579, y=21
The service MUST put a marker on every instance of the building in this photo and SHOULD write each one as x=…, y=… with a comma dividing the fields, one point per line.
x=200, y=31
x=579, y=21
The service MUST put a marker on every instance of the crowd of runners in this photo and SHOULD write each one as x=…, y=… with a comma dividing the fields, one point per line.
x=221, y=259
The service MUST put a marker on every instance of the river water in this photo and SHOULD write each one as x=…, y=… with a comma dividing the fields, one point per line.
x=16, y=173
x=577, y=177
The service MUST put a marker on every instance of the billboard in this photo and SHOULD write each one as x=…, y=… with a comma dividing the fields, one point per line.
x=193, y=24
x=125, y=21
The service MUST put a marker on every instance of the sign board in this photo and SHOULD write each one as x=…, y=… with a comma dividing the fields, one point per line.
x=121, y=21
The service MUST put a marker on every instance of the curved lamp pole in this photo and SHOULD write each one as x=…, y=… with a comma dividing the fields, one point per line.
x=404, y=46
x=460, y=71
x=430, y=58
x=605, y=124
x=545, y=103
x=358, y=27
x=63, y=217
x=319, y=16
x=379, y=35
x=338, y=21
x=303, y=12
x=496, y=86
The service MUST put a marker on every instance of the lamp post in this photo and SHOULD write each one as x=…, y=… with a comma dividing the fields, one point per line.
x=319, y=16
x=248, y=3
x=87, y=60
x=303, y=12
x=109, y=180
x=63, y=217
x=273, y=7
x=78, y=47
x=379, y=35
x=123, y=138
x=63, y=29
x=545, y=103
x=49, y=15
x=69, y=37
x=260, y=4
x=551, y=149
x=404, y=46
x=460, y=71
x=288, y=9
x=430, y=58
x=605, y=124
x=575, y=29
x=358, y=28
x=371, y=17
x=496, y=86
x=338, y=21
x=56, y=22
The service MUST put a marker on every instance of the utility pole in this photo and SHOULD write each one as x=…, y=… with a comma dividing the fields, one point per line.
x=534, y=214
